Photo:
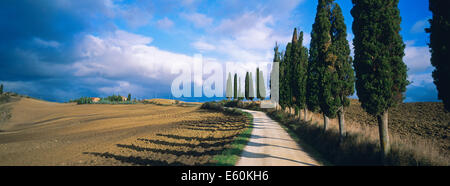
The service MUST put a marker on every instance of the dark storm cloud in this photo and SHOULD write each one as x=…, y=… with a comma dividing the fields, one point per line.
x=37, y=39
x=37, y=36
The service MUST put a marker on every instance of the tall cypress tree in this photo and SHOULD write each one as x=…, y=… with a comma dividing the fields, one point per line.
x=284, y=77
x=1, y=89
x=380, y=70
x=262, y=86
x=240, y=96
x=247, y=86
x=300, y=65
x=338, y=75
x=251, y=91
x=440, y=48
x=229, y=90
x=257, y=84
x=290, y=77
x=319, y=49
x=235, y=87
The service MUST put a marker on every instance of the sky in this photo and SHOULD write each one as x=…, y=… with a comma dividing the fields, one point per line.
x=58, y=50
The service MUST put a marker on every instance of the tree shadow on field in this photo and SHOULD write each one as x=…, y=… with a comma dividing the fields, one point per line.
x=173, y=152
x=189, y=138
x=187, y=149
x=202, y=144
x=135, y=160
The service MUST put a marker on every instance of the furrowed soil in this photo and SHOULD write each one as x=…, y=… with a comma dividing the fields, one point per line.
x=45, y=133
x=414, y=122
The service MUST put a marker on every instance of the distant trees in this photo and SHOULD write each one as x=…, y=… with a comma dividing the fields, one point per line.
x=114, y=98
x=129, y=97
x=257, y=83
x=235, y=95
x=240, y=94
x=1, y=89
x=228, y=90
x=440, y=48
x=251, y=91
x=261, y=86
x=84, y=100
x=247, y=86
x=379, y=49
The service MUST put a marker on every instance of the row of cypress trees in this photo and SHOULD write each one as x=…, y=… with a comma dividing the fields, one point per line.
x=323, y=81
x=233, y=88
x=440, y=48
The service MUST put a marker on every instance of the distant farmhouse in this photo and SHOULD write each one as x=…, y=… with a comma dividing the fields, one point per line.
x=124, y=98
x=95, y=99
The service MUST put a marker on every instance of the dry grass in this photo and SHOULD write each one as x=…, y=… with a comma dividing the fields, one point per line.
x=361, y=147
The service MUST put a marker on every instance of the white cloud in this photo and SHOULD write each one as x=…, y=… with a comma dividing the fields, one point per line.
x=199, y=20
x=419, y=26
x=203, y=46
x=417, y=58
x=249, y=37
x=165, y=23
x=420, y=80
x=125, y=56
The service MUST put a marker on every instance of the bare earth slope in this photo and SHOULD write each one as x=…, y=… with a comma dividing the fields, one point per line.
x=45, y=133
x=271, y=145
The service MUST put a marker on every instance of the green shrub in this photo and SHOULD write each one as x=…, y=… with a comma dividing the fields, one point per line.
x=217, y=106
x=232, y=103
x=233, y=112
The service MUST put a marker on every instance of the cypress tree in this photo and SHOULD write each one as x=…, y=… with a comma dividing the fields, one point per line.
x=380, y=70
x=229, y=91
x=319, y=46
x=1, y=89
x=240, y=96
x=129, y=97
x=300, y=65
x=284, y=77
x=289, y=78
x=345, y=73
x=235, y=87
x=338, y=78
x=251, y=91
x=247, y=82
x=257, y=83
x=262, y=86
x=440, y=48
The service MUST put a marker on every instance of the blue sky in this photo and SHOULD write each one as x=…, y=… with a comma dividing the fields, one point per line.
x=60, y=49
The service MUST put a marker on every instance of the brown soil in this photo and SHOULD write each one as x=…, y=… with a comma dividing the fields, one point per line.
x=45, y=133
x=426, y=120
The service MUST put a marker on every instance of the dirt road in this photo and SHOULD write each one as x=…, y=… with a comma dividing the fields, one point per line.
x=271, y=145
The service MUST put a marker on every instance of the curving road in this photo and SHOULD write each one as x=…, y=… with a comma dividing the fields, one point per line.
x=271, y=145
